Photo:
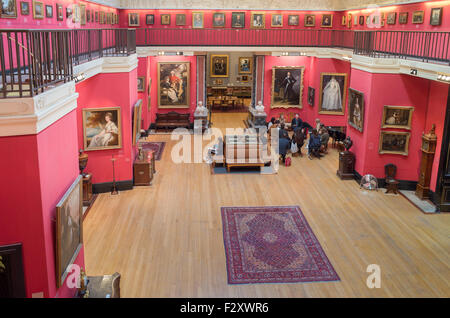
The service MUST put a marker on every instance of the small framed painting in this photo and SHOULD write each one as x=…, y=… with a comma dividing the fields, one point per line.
x=238, y=19
x=311, y=96
x=356, y=109
x=165, y=19
x=197, y=20
x=83, y=14
x=133, y=19
x=38, y=10
x=397, y=117
x=102, y=128
x=310, y=20
x=69, y=13
x=436, y=16
x=394, y=142
x=137, y=122
x=344, y=20
x=219, y=20
x=327, y=21
x=277, y=20
x=219, y=66
x=417, y=17
x=258, y=20
x=349, y=20
x=48, y=11
x=391, y=18
x=293, y=20
x=141, y=84
x=96, y=17
x=150, y=19
x=361, y=20
x=88, y=16
x=9, y=9
x=245, y=65
x=180, y=19
x=403, y=18
x=24, y=8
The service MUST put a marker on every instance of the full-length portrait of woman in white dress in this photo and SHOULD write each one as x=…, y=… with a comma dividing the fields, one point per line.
x=107, y=134
x=332, y=96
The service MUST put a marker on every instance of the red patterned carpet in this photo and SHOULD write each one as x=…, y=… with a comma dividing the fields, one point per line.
x=272, y=245
x=157, y=147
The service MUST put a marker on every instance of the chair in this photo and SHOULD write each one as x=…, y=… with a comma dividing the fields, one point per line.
x=391, y=184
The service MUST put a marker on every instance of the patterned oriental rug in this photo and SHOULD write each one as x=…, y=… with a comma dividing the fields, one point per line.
x=157, y=147
x=272, y=245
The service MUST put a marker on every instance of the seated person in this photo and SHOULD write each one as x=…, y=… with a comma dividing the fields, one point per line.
x=299, y=138
x=284, y=144
x=314, y=145
x=324, y=137
x=282, y=120
x=296, y=123
x=282, y=133
x=318, y=124
x=270, y=124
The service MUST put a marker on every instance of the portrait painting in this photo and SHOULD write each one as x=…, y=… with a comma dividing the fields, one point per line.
x=88, y=15
x=277, y=20
x=76, y=14
x=394, y=142
x=258, y=20
x=133, y=19
x=311, y=96
x=293, y=20
x=96, y=17
x=9, y=9
x=38, y=10
x=403, y=18
x=436, y=16
x=140, y=84
x=219, y=66
x=245, y=65
x=180, y=19
x=69, y=229
x=102, y=17
x=173, y=84
x=108, y=18
x=417, y=17
x=397, y=117
x=25, y=8
x=310, y=20
x=83, y=14
x=356, y=109
x=344, y=20
x=102, y=128
x=391, y=18
x=355, y=20
x=333, y=87
x=349, y=20
x=137, y=122
x=59, y=12
x=150, y=19
x=327, y=20
x=48, y=11
x=218, y=20
x=69, y=13
x=361, y=20
x=287, y=86
x=197, y=20
x=165, y=19
x=238, y=19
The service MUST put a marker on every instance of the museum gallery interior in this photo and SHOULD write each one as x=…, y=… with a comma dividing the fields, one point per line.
x=239, y=148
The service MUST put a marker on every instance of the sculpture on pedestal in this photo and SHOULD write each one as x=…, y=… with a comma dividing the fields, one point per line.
x=201, y=110
x=82, y=161
x=260, y=108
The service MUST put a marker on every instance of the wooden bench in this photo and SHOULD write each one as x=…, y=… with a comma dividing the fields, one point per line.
x=172, y=120
x=242, y=151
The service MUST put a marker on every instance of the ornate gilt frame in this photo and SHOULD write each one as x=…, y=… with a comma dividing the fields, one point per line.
x=119, y=127
x=263, y=20
x=272, y=104
x=403, y=153
x=387, y=107
x=344, y=96
x=188, y=85
x=211, y=65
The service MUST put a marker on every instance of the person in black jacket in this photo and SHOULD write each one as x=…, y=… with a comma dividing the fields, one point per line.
x=314, y=145
x=296, y=123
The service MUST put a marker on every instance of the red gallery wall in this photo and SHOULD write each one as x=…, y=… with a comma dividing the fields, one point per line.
x=28, y=22
x=109, y=90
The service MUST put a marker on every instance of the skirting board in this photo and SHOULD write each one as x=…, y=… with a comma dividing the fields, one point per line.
x=107, y=186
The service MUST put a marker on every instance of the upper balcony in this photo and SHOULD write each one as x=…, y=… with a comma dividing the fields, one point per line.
x=33, y=61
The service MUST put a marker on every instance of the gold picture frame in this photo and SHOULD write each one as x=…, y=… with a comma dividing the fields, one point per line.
x=69, y=220
x=198, y=20
x=100, y=133
x=436, y=16
x=83, y=14
x=401, y=140
x=5, y=11
x=38, y=10
x=174, y=82
x=165, y=19
x=245, y=65
x=141, y=84
x=286, y=94
x=276, y=20
x=133, y=19
x=217, y=69
x=399, y=117
x=325, y=79
x=310, y=20
x=256, y=23
x=356, y=109
x=327, y=21
x=137, y=121
x=76, y=18
x=418, y=17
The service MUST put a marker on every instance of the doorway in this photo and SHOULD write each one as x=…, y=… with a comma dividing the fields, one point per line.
x=12, y=279
x=443, y=186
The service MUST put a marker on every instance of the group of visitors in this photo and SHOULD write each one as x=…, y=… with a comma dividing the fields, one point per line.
x=317, y=144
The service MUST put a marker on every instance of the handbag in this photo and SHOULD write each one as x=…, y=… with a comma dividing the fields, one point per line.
x=287, y=162
x=294, y=147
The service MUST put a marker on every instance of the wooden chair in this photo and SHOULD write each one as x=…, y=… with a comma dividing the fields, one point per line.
x=391, y=184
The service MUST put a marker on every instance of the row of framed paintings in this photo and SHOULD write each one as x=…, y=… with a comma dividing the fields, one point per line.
x=76, y=13
x=257, y=20
x=220, y=65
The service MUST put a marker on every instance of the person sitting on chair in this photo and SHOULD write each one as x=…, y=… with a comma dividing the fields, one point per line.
x=299, y=138
x=284, y=144
x=271, y=123
x=318, y=124
x=283, y=132
x=296, y=123
x=324, y=138
x=314, y=145
x=282, y=120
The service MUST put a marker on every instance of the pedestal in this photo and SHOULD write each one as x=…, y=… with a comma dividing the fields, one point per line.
x=346, y=165
x=256, y=119
x=200, y=121
x=87, y=190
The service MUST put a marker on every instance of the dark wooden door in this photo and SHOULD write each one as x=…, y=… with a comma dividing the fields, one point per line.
x=443, y=186
x=12, y=280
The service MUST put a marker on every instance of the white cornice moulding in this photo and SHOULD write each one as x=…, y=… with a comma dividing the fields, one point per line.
x=36, y=113
x=120, y=64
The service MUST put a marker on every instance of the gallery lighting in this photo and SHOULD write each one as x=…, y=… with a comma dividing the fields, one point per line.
x=80, y=77
x=444, y=78
x=288, y=54
x=162, y=53
x=347, y=58
x=413, y=71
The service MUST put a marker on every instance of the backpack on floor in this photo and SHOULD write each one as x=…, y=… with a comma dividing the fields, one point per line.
x=287, y=162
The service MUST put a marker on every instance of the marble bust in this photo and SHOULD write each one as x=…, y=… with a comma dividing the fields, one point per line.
x=201, y=110
x=260, y=108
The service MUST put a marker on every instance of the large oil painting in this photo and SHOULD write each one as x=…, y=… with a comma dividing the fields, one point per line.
x=219, y=66
x=356, y=109
x=287, y=86
x=394, y=142
x=102, y=128
x=9, y=9
x=397, y=117
x=174, y=84
x=69, y=229
x=333, y=87
x=137, y=120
